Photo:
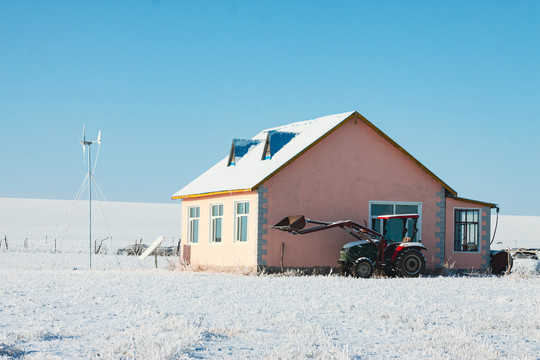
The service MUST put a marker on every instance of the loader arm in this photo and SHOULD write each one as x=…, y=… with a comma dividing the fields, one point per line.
x=296, y=225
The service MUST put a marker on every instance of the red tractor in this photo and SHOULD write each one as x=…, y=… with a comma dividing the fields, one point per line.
x=372, y=250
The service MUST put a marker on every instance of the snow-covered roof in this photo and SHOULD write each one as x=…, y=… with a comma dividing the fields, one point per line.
x=251, y=161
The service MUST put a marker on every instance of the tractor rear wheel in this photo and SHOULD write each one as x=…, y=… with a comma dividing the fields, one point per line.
x=362, y=268
x=410, y=263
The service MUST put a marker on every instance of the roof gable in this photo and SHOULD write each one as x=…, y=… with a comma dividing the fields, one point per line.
x=251, y=162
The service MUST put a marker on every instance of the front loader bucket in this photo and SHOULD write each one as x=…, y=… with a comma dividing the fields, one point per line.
x=291, y=223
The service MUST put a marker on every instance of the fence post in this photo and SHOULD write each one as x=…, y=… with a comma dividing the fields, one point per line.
x=55, y=246
x=178, y=247
x=26, y=243
x=5, y=241
x=282, y=251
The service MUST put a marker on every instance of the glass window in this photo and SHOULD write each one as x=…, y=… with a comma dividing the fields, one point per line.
x=394, y=227
x=242, y=213
x=217, y=220
x=466, y=230
x=194, y=214
x=406, y=209
x=382, y=209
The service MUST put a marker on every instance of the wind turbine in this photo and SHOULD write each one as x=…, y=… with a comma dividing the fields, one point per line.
x=85, y=143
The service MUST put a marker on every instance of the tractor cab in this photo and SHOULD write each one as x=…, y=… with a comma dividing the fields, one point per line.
x=408, y=231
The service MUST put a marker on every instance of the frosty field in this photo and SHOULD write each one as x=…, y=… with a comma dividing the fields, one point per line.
x=125, y=309
x=53, y=307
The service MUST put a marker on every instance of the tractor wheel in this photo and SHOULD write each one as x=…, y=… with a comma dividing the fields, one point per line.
x=344, y=270
x=362, y=268
x=410, y=263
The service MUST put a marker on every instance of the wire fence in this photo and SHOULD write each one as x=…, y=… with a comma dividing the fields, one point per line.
x=81, y=244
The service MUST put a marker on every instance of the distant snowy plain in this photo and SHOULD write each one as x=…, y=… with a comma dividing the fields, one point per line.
x=53, y=307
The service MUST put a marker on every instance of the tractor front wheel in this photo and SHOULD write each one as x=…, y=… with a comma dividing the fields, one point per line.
x=363, y=268
x=410, y=263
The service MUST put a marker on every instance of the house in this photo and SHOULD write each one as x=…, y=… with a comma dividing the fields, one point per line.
x=330, y=168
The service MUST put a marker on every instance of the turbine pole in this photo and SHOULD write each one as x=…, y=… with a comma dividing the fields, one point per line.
x=90, y=207
x=86, y=144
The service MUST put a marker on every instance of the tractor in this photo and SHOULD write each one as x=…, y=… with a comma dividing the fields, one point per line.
x=372, y=250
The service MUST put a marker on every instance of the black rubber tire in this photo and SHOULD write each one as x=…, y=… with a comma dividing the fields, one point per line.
x=410, y=263
x=344, y=270
x=362, y=268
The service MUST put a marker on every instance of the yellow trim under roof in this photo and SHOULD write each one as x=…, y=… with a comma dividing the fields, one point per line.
x=225, y=192
x=476, y=202
x=378, y=131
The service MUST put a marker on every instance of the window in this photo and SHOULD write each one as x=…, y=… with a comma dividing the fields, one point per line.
x=466, y=229
x=394, y=227
x=216, y=214
x=239, y=148
x=275, y=140
x=242, y=212
x=194, y=214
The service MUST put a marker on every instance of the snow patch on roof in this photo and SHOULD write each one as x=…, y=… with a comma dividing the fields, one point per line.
x=253, y=168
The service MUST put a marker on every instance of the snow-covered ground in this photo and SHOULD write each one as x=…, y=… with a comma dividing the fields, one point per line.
x=125, y=309
x=53, y=307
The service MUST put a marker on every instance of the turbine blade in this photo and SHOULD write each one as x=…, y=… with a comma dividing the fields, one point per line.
x=84, y=153
x=83, y=130
x=97, y=155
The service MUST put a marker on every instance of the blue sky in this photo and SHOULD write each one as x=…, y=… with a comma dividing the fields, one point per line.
x=170, y=83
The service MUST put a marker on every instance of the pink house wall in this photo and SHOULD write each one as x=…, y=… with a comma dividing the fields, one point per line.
x=336, y=179
x=228, y=252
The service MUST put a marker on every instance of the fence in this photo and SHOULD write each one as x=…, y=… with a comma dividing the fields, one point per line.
x=79, y=244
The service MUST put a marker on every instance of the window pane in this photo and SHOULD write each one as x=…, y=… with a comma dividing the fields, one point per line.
x=240, y=208
x=191, y=212
x=246, y=208
x=466, y=233
x=220, y=210
x=394, y=229
x=382, y=209
x=243, y=228
x=198, y=211
x=376, y=225
x=410, y=228
x=218, y=230
x=238, y=228
x=195, y=237
x=406, y=209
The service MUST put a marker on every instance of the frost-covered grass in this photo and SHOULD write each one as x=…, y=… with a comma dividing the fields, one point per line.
x=126, y=309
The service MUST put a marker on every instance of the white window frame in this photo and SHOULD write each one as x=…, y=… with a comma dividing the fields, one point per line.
x=394, y=203
x=479, y=234
x=212, y=227
x=191, y=221
x=237, y=217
